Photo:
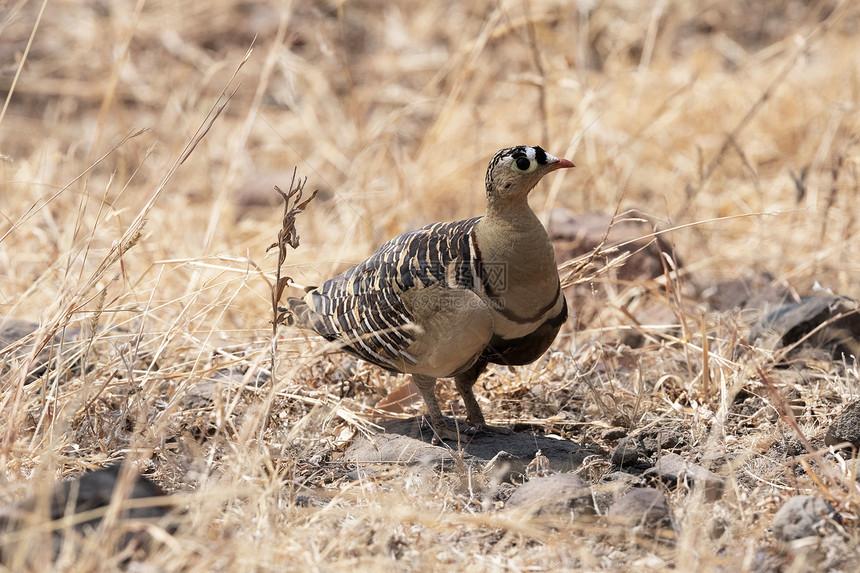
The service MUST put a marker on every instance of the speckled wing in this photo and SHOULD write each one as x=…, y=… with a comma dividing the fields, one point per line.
x=364, y=307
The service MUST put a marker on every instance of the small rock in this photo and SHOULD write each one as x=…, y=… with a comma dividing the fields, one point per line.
x=555, y=494
x=622, y=480
x=13, y=331
x=613, y=486
x=563, y=455
x=200, y=396
x=625, y=454
x=826, y=322
x=303, y=500
x=713, y=458
x=238, y=376
x=613, y=434
x=504, y=492
x=664, y=439
x=77, y=498
x=363, y=472
x=717, y=527
x=203, y=394
x=757, y=292
x=395, y=448
x=846, y=427
x=641, y=506
x=673, y=468
x=805, y=516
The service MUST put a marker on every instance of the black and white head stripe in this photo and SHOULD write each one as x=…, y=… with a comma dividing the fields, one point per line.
x=528, y=151
x=511, y=154
x=531, y=153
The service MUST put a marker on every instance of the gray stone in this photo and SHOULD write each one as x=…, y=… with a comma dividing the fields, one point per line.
x=613, y=434
x=78, y=500
x=555, y=494
x=845, y=427
x=641, y=506
x=13, y=332
x=830, y=323
x=625, y=454
x=804, y=516
x=611, y=487
x=404, y=441
x=395, y=448
x=674, y=469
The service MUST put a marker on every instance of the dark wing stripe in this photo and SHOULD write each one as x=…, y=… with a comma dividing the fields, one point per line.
x=366, y=352
x=478, y=266
x=345, y=325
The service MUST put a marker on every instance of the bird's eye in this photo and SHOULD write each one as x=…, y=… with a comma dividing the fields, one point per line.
x=523, y=164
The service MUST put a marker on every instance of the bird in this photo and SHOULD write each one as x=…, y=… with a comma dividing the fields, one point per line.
x=446, y=300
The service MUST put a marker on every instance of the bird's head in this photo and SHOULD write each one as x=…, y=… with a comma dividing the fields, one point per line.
x=514, y=171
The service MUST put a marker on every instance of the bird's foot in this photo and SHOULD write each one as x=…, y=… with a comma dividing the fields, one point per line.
x=484, y=427
x=449, y=434
x=445, y=430
x=464, y=431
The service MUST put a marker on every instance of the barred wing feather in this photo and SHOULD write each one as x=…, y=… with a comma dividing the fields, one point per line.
x=364, y=308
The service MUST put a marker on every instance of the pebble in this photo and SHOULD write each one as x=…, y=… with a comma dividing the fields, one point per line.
x=674, y=469
x=845, y=427
x=641, y=506
x=554, y=494
x=804, y=516
x=625, y=454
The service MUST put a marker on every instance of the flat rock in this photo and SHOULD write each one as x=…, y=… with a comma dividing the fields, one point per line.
x=845, y=427
x=625, y=454
x=395, y=448
x=91, y=491
x=613, y=486
x=405, y=442
x=674, y=469
x=669, y=437
x=757, y=294
x=555, y=494
x=641, y=506
x=13, y=331
x=95, y=489
x=827, y=322
x=613, y=434
x=804, y=516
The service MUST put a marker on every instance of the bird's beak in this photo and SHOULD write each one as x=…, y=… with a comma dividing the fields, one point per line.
x=562, y=164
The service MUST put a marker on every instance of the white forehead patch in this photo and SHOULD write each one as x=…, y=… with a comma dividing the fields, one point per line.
x=539, y=155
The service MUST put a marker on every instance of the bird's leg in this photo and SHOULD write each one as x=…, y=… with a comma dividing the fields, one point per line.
x=427, y=386
x=465, y=383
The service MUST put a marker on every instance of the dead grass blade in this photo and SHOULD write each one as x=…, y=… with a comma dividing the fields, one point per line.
x=22, y=61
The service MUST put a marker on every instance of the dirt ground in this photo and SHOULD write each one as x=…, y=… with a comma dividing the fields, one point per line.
x=687, y=418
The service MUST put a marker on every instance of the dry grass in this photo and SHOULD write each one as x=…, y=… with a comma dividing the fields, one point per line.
x=737, y=124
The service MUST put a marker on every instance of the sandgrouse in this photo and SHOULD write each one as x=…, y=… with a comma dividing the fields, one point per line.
x=448, y=299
